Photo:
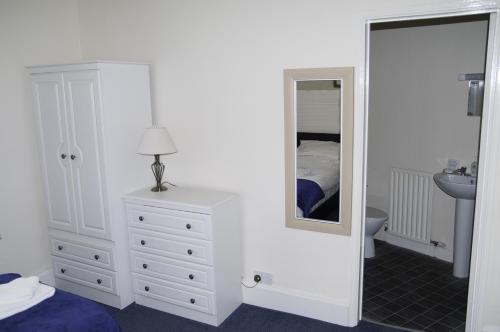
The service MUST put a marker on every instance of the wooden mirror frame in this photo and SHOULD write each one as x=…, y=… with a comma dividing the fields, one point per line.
x=291, y=76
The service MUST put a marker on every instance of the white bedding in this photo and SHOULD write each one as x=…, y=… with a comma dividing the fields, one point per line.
x=319, y=161
x=22, y=294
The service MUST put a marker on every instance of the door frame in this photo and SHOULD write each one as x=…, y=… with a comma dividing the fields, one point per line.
x=490, y=132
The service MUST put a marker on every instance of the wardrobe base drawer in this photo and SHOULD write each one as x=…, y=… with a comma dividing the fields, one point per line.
x=174, y=293
x=83, y=252
x=177, y=310
x=86, y=275
x=92, y=294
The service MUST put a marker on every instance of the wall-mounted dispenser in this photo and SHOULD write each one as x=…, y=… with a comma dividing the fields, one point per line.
x=476, y=92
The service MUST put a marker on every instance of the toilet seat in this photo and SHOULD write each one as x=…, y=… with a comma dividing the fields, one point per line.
x=375, y=214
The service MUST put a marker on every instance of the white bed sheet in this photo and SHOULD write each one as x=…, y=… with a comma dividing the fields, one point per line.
x=323, y=168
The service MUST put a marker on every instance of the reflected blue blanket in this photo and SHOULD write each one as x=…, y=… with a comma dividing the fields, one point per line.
x=308, y=194
x=61, y=312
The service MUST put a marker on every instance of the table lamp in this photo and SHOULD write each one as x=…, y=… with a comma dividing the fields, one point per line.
x=155, y=142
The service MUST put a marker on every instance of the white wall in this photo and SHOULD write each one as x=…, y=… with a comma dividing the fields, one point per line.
x=31, y=32
x=218, y=87
x=418, y=109
x=318, y=111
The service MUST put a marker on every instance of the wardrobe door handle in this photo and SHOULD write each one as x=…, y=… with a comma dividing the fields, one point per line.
x=193, y=301
x=63, y=270
x=191, y=276
x=190, y=252
x=99, y=281
x=60, y=248
x=141, y=218
x=146, y=288
x=143, y=242
x=96, y=257
x=73, y=157
x=63, y=156
x=188, y=226
x=144, y=266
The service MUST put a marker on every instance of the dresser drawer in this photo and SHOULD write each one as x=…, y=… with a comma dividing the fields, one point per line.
x=195, y=299
x=85, y=275
x=82, y=252
x=189, y=274
x=191, y=250
x=195, y=225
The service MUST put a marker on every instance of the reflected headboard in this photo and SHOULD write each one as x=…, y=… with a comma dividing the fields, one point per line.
x=317, y=137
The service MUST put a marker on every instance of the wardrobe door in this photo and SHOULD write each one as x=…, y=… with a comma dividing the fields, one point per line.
x=50, y=112
x=83, y=102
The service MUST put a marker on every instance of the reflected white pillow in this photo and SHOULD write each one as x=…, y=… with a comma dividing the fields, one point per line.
x=324, y=149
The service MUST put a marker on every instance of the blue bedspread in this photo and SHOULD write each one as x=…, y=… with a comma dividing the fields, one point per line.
x=62, y=312
x=308, y=194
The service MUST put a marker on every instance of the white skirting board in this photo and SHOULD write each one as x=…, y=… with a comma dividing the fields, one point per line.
x=298, y=303
x=47, y=277
x=445, y=254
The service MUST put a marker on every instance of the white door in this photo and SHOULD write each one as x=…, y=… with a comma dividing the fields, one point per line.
x=50, y=111
x=83, y=100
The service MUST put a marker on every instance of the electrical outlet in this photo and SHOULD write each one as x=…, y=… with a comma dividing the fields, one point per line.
x=266, y=278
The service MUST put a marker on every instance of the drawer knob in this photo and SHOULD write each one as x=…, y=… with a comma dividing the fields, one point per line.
x=143, y=242
x=99, y=281
x=63, y=156
x=190, y=252
x=191, y=276
x=141, y=218
x=188, y=226
x=60, y=248
x=144, y=266
x=63, y=270
x=146, y=288
x=73, y=157
x=96, y=257
x=193, y=301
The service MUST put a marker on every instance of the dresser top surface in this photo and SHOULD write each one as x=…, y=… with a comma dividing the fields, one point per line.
x=202, y=198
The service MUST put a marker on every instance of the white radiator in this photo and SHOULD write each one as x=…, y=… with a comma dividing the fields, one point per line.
x=410, y=209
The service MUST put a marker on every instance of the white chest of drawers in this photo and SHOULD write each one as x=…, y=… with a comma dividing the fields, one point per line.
x=185, y=252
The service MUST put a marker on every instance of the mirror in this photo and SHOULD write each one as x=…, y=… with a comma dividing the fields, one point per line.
x=318, y=148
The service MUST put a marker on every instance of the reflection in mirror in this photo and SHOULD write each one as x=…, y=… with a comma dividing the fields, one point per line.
x=318, y=163
x=318, y=104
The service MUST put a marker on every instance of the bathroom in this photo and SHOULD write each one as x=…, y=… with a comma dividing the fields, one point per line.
x=424, y=118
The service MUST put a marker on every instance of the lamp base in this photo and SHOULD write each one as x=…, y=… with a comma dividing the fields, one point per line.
x=158, y=189
x=158, y=168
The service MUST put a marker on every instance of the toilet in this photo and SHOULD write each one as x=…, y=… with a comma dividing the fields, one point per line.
x=374, y=219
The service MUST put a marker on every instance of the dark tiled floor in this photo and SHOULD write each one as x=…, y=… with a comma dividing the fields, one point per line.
x=412, y=290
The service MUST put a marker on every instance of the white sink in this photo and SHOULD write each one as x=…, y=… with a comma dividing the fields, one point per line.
x=463, y=188
x=458, y=186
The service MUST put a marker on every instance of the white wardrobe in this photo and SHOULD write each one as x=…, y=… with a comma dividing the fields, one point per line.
x=91, y=117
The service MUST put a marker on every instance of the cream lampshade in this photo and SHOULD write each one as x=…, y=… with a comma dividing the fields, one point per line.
x=155, y=142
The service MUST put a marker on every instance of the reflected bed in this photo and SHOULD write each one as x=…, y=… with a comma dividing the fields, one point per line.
x=318, y=175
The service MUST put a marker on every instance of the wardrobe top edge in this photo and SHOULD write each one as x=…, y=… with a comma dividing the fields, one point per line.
x=80, y=65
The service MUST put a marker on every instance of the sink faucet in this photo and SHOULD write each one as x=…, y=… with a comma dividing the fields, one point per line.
x=461, y=171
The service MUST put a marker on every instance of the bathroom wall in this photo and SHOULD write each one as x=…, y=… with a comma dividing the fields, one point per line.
x=418, y=109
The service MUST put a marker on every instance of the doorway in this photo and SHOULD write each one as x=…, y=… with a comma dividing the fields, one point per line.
x=409, y=282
